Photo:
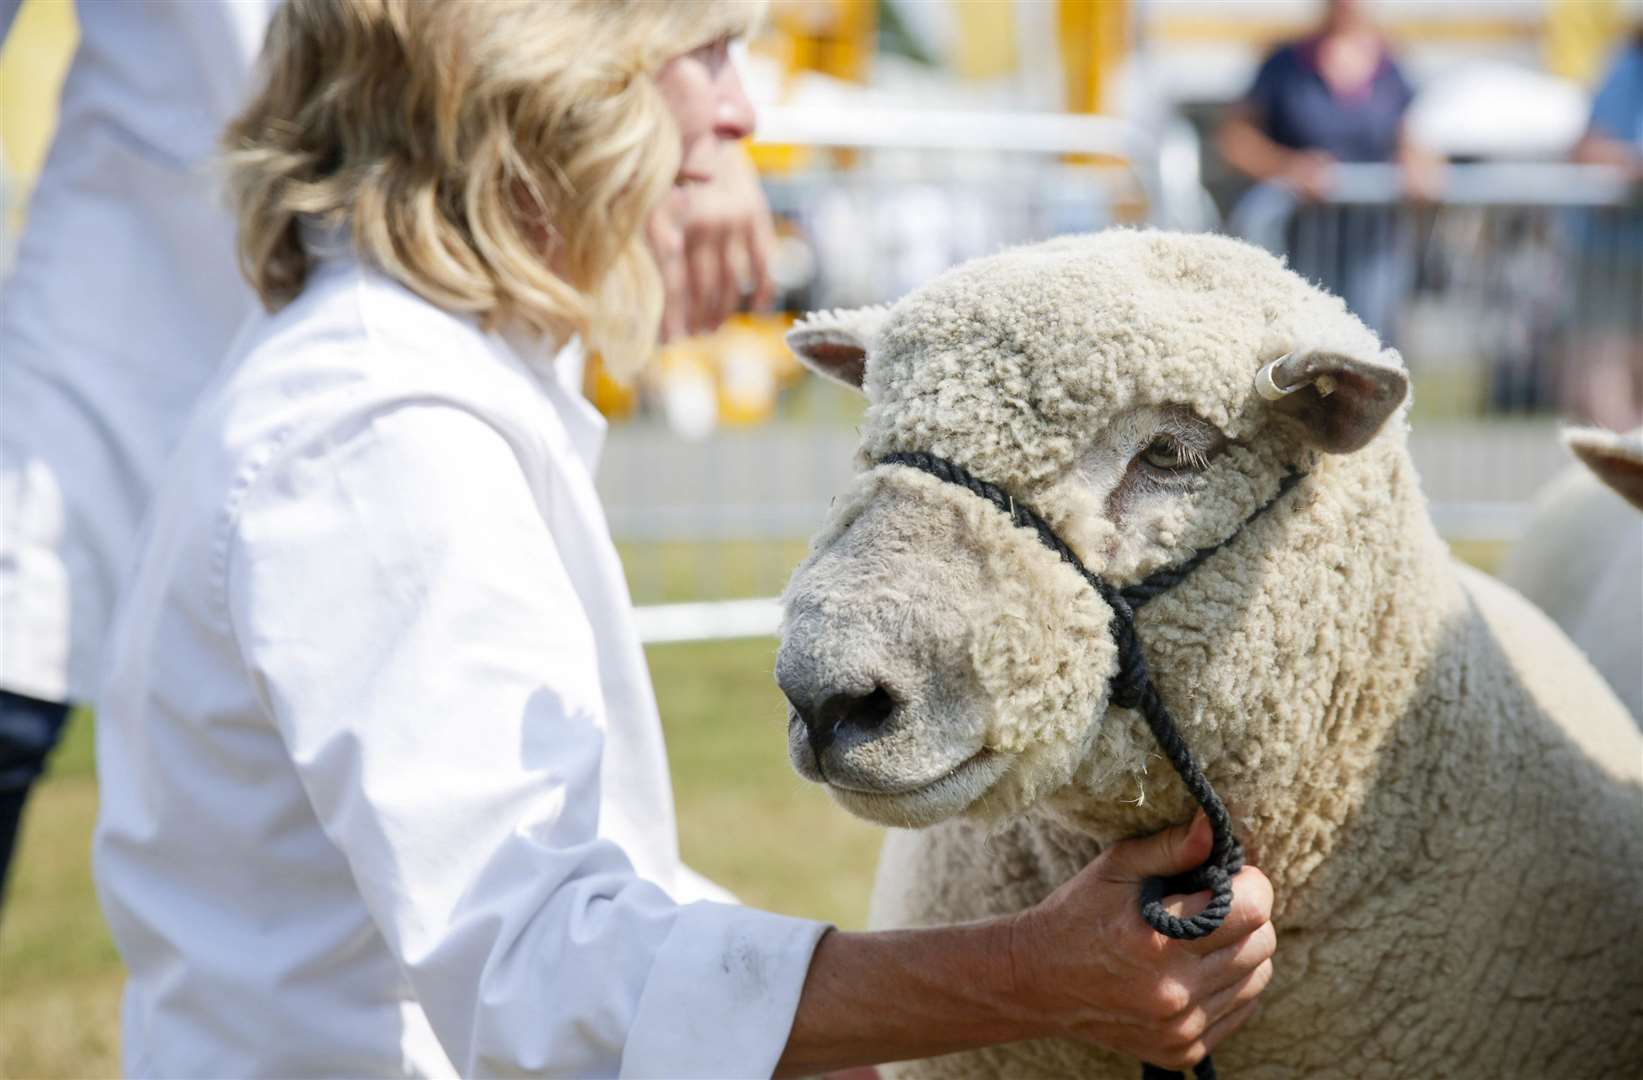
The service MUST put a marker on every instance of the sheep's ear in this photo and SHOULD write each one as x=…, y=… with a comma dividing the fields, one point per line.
x=1616, y=459
x=835, y=343
x=1341, y=401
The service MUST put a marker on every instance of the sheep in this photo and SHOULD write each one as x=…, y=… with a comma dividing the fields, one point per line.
x=1581, y=556
x=1447, y=799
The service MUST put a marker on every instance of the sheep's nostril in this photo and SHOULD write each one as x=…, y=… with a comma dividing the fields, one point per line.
x=846, y=714
x=870, y=713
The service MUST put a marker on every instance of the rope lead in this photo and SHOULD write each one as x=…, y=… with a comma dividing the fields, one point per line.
x=1132, y=688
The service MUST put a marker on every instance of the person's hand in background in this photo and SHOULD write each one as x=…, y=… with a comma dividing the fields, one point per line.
x=1421, y=170
x=712, y=243
x=1309, y=173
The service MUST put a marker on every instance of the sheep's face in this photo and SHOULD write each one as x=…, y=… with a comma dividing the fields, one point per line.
x=939, y=660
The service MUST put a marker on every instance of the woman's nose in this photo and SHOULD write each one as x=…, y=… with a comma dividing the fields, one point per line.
x=733, y=113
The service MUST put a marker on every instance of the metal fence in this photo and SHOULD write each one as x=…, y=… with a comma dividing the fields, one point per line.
x=876, y=204
x=1517, y=299
x=1519, y=293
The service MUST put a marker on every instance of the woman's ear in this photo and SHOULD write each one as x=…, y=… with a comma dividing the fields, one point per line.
x=836, y=343
x=1340, y=401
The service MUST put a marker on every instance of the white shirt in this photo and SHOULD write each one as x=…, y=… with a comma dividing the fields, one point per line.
x=123, y=298
x=384, y=789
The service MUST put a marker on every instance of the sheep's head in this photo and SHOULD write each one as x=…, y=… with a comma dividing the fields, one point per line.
x=937, y=658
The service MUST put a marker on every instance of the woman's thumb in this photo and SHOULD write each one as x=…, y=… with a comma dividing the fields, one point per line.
x=1172, y=851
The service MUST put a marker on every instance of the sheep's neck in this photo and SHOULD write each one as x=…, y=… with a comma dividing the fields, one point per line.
x=1357, y=747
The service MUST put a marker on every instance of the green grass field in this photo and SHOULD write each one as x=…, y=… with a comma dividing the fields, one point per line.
x=741, y=809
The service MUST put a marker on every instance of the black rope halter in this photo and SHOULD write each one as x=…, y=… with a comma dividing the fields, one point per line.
x=1132, y=688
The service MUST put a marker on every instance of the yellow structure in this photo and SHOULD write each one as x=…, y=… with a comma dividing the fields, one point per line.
x=1094, y=37
x=829, y=37
x=1579, y=37
x=737, y=372
x=985, y=44
x=32, y=67
x=834, y=37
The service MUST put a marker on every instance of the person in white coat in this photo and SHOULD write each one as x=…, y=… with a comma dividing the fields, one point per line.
x=121, y=304
x=384, y=787
x=122, y=300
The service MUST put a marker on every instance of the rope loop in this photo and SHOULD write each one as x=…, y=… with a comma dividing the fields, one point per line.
x=1204, y=1070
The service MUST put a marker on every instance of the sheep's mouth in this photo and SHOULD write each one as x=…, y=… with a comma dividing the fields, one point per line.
x=922, y=803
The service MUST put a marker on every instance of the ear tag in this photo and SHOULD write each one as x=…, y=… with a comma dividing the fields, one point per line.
x=1268, y=387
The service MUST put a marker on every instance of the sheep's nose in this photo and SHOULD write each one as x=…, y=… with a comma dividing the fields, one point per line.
x=844, y=714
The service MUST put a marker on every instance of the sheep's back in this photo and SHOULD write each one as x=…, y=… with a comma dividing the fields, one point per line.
x=1581, y=562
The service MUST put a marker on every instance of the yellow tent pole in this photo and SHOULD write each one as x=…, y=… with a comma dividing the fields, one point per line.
x=1579, y=35
x=1094, y=36
x=833, y=37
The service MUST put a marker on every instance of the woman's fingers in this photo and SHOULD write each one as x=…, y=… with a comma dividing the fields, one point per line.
x=705, y=257
x=1228, y=1024
x=667, y=244
x=1245, y=988
x=761, y=242
x=1251, y=909
x=1232, y=963
x=730, y=277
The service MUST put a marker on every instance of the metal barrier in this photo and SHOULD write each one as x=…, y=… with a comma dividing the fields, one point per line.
x=886, y=200
x=1520, y=292
x=1507, y=299
x=875, y=203
x=1516, y=299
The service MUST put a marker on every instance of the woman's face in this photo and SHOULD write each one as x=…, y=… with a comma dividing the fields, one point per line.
x=704, y=93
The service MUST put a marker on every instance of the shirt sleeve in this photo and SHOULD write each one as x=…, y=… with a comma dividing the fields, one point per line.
x=1619, y=99
x=1270, y=85
x=8, y=15
x=399, y=602
x=1402, y=92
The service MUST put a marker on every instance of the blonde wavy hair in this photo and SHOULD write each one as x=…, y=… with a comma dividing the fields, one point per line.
x=497, y=158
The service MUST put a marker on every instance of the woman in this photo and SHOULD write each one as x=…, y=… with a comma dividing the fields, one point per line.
x=92, y=407
x=1335, y=96
x=1604, y=376
x=384, y=786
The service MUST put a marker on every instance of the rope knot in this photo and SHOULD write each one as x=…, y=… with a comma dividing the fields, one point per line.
x=1129, y=683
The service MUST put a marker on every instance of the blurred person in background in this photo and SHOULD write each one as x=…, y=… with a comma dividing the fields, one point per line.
x=1335, y=96
x=123, y=298
x=1605, y=368
x=384, y=787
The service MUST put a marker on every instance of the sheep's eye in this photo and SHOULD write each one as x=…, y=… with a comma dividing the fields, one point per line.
x=1168, y=454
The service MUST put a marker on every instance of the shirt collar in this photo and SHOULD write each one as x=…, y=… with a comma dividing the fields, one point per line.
x=1306, y=51
x=559, y=372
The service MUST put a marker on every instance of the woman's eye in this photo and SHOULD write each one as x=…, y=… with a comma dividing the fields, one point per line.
x=714, y=54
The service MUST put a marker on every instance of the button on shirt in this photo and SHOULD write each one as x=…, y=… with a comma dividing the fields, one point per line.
x=384, y=788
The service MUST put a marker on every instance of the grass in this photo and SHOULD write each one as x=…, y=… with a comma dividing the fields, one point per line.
x=741, y=809
x=744, y=820
x=672, y=571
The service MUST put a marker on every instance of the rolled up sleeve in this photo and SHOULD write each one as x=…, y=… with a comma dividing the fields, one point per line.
x=398, y=599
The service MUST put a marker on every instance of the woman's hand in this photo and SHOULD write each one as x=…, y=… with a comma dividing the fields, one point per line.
x=1085, y=957
x=1310, y=174
x=1080, y=964
x=712, y=243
